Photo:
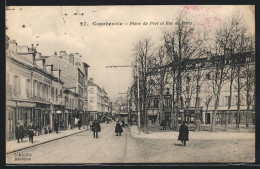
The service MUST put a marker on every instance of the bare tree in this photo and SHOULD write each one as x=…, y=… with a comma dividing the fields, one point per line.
x=230, y=46
x=249, y=75
x=182, y=44
x=143, y=52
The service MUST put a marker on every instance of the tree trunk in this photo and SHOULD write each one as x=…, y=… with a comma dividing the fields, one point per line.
x=215, y=112
x=229, y=103
x=238, y=98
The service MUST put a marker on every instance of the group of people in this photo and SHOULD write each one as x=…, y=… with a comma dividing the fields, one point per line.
x=19, y=132
x=168, y=123
x=95, y=127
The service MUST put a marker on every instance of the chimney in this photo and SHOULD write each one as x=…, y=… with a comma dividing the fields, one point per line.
x=62, y=53
x=43, y=65
x=59, y=73
x=76, y=54
x=71, y=58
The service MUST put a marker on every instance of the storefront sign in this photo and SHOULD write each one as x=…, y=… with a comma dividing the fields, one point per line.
x=26, y=104
x=20, y=104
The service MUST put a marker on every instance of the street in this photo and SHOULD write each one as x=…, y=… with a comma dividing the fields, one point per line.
x=83, y=148
x=108, y=148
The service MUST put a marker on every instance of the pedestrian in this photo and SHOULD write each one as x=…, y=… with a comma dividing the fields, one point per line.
x=118, y=129
x=56, y=126
x=91, y=124
x=183, y=134
x=169, y=123
x=163, y=124
x=79, y=124
x=19, y=132
x=87, y=123
x=96, y=128
x=31, y=132
x=123, y=123
x=198, y=124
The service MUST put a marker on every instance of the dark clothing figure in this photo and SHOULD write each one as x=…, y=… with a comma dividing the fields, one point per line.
x=118, y=129
x=79, y=124
x=163, y=124
x=96, y=128
x=31, y=133
x=183, y=134
x=56, y=126
x=19, y=133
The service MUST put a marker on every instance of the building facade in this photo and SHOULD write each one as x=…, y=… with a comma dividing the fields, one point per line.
x=204, y=68
x=30, y=87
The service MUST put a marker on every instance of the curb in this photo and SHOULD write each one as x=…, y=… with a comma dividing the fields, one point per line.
x=33, y=145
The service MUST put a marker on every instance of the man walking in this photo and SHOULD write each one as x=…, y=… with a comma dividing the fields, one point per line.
x=79, y=124
x=96, y=128
x=163, y=124
x=31, y=133
x=56, y=126
x=183, y=134
x=19, y=132
x=118, y=129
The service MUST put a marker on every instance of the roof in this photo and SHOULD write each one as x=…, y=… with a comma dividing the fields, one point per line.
x=85, y=64
x=90, y=83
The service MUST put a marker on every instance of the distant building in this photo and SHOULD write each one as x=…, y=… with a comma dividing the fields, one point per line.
x=74, y=77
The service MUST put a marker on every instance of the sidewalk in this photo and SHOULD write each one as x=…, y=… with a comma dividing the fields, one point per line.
x=13, y=146
x=203, y=135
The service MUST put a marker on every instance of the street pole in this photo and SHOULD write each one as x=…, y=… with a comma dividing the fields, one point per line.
x=138, y=99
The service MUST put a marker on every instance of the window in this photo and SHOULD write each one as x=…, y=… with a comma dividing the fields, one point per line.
x=208, y=76
x=151, y=103
x=167, y=91
x=28, y=88
x=52, y=94
x=56, y=94
x=47, y=92
x=91, y=99
x=199, y=101
x=16, y=89
x=166, y=103
x=38, y=89
x=91, y=90
x=34, y=88
x=226, y=100
x=43, y=90
x=156, y=103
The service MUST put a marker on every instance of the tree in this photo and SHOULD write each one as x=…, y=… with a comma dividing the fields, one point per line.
x=143, y=52
x=230, y=46
x=182, y=44
x=249, y=75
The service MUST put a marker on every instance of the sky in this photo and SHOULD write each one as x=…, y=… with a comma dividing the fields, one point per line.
x=57, y=28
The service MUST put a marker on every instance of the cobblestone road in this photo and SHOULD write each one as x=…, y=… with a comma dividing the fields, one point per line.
x=83, y=148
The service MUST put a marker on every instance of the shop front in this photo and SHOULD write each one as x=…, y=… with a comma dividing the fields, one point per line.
x=18, y=111
x=41, y=118
x=58, y=114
